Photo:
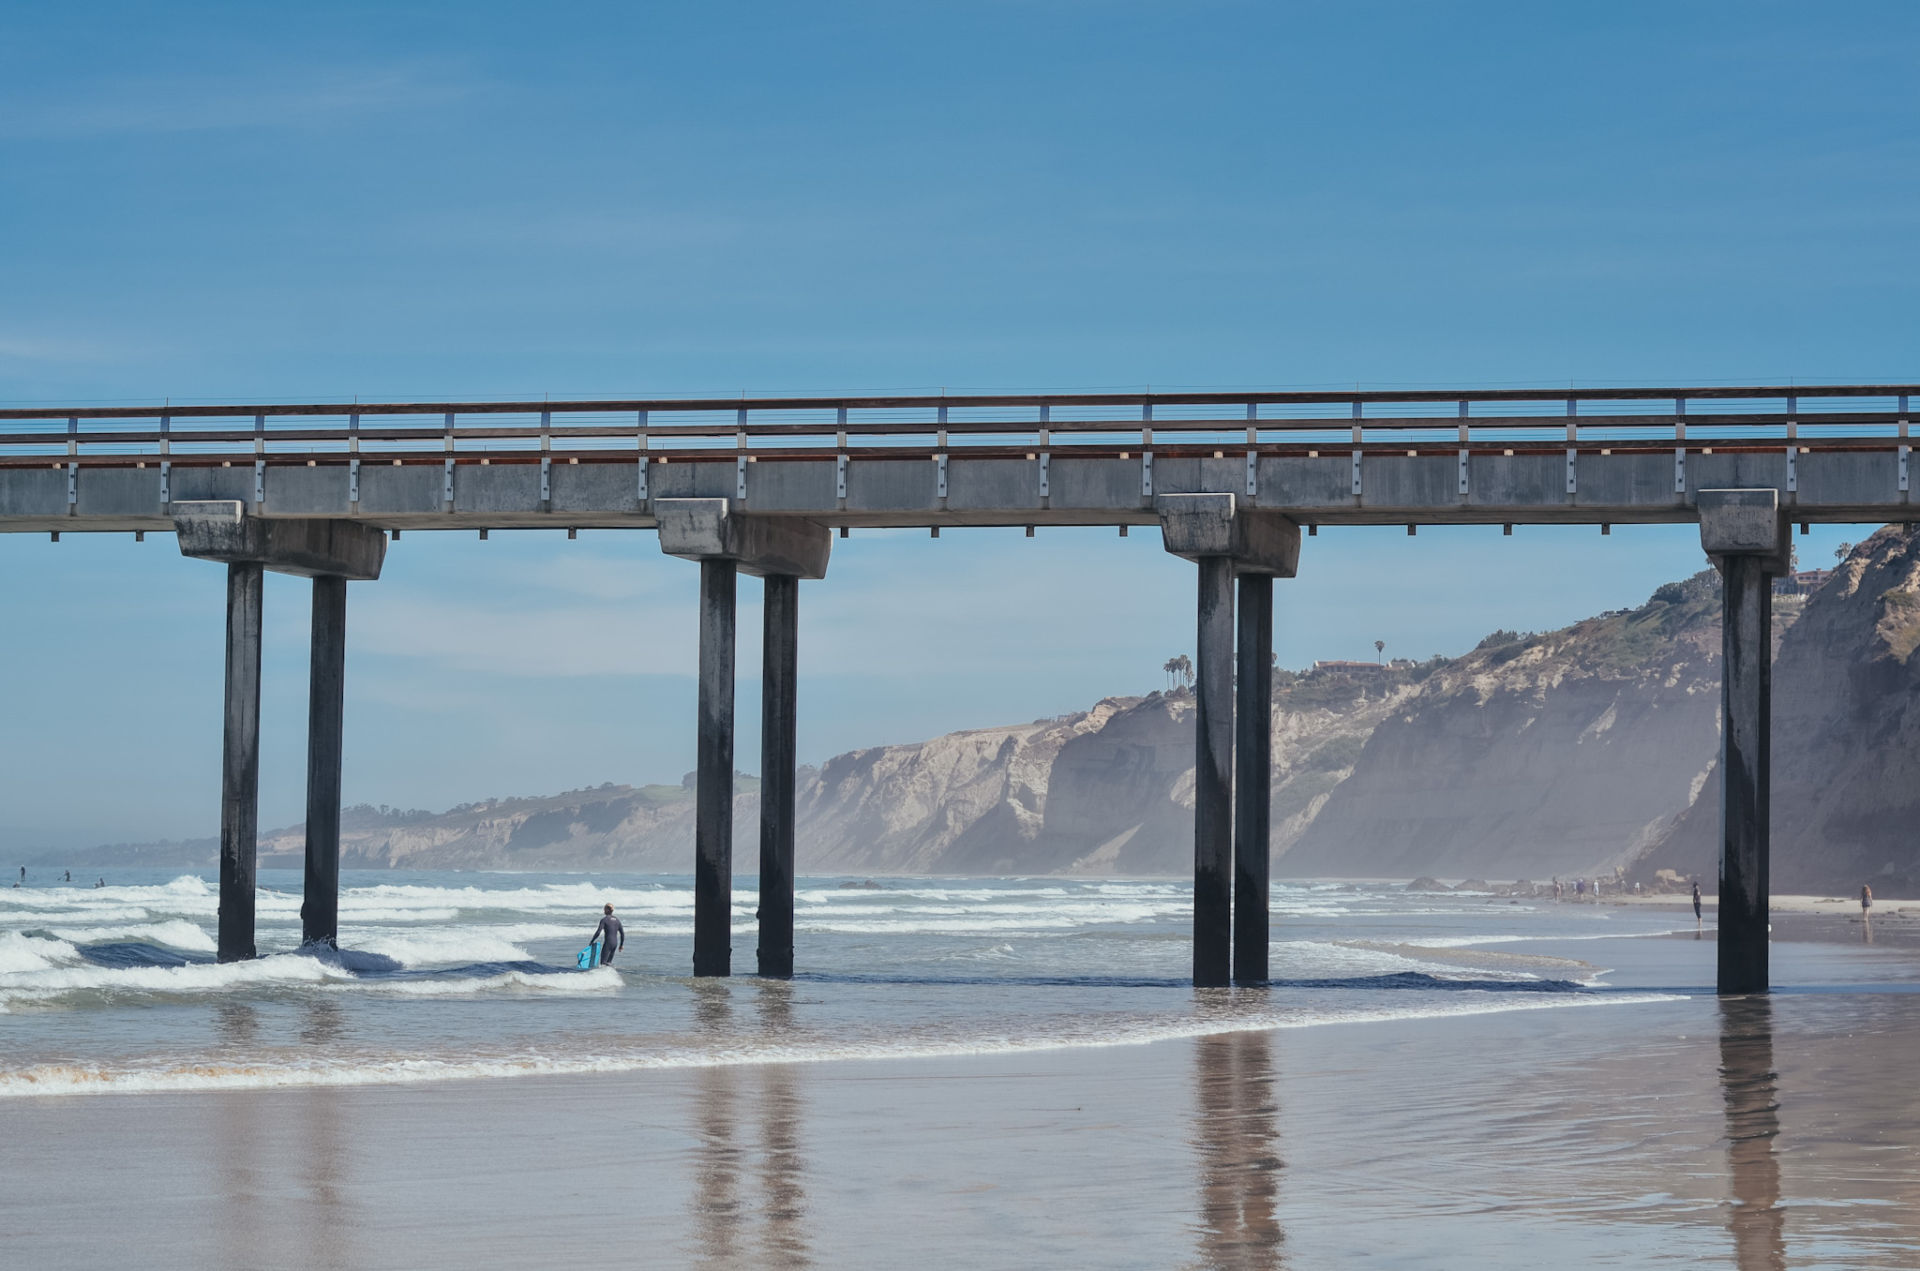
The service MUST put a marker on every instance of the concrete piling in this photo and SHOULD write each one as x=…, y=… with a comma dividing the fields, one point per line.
x=1225, y=539
x=1253, y=775
x=713, y=794
x=240, y=763
x=1213, y=776
x=326, y=697
x=330, y=552
x=778, y=729
x=1745, y=536
x=1746, y=691
x=782, y=550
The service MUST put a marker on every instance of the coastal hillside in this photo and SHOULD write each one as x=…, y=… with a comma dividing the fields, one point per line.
x=1563, y=752
x=1572, y=752
x=1846, y=738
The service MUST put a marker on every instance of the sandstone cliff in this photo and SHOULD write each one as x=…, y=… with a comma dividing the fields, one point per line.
x=1846, y=738
x=1564, y=752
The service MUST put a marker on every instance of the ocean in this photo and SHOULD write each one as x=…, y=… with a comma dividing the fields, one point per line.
x=981, y=1072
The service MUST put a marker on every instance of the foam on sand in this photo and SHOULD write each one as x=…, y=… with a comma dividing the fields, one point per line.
x=308, y=1070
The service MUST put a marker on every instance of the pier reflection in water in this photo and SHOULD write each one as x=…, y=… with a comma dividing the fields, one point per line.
x=742, y=1221
x=1236, y=1141
x=1749, y=1085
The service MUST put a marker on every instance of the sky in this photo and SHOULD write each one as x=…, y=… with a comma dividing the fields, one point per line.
x=204, y=202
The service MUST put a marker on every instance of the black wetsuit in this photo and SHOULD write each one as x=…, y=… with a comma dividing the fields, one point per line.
x=612, y=937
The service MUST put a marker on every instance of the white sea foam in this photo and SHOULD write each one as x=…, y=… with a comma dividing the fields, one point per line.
x=133, y=1078
x=598, y=980
x=193, y=979
x=440, y=947
x=23, y=954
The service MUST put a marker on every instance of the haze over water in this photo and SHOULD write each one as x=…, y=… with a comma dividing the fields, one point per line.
x=1009, y=1069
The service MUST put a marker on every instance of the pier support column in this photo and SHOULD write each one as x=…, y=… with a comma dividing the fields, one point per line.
x=1213, y=775
x=1743, y=533
x=713, y=789
x=1223, y=538
x=330, y=552
x=1253, y=779
x=326, y=717
x=778, y=734
x=240, y=764
x=785, y=549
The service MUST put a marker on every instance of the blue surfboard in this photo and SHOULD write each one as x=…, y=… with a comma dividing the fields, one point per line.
x=589, y=956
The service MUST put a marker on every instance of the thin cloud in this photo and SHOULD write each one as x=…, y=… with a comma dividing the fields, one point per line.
x=179, y=103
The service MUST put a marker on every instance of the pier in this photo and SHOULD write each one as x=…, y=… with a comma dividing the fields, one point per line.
x=1234, y=481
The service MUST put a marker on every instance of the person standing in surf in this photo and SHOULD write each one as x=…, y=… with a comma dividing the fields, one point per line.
x=610, y=936
x=1696, y=904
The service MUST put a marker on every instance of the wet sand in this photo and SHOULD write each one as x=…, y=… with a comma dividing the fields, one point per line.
x=1755, y=1133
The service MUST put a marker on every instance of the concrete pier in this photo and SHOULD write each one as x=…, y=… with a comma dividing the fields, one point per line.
x=240, y=764
x=1222, y=538
x=1253, y=779
x=329, y=552
x=725, y=542
x=1743, y=533
x=326, y=715
x=778, y=736
x=713, y=792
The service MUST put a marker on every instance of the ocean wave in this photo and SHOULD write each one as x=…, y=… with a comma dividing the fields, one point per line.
x=177, y=933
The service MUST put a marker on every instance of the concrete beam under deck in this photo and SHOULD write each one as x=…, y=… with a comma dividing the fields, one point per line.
x=712, y=529
x=311, y=547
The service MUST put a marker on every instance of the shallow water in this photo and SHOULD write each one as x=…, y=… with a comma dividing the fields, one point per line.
x=458, y=975
x=1434, y=1081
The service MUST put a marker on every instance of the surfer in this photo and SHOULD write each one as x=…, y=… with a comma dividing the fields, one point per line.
x=610, y=936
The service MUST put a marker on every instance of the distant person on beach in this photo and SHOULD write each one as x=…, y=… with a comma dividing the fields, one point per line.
x=1579, y=889
x=1696, y=904
x=1556, y=886
x=1866, y=901
x=68, y=878
x=611, y=936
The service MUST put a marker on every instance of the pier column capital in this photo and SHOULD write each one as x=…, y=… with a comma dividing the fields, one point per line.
x=223, y=530
x=711, y=529
x=1744, y=523
x=1257, y=541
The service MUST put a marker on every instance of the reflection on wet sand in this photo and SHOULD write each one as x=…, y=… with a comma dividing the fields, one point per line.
x=249, y=1151
x=1748, y=1081
x=1235, y=1139
x=782, y=1166
x=725, y=1234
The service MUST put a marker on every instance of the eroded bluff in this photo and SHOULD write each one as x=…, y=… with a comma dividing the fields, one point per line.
x=1846, y=738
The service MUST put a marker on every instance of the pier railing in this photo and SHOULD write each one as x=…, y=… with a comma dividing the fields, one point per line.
x=1799, y=419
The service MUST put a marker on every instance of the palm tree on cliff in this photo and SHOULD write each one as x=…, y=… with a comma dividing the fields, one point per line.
x=1179, y=669
x=1379, y=649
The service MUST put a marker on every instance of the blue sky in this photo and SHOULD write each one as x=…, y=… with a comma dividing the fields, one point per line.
x=256, y=202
